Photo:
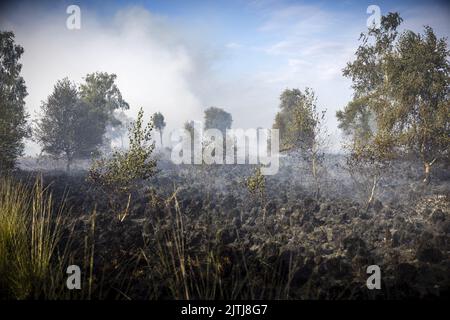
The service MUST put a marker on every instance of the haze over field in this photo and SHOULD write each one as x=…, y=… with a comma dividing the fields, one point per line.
x=239, y=56
x=224, y=150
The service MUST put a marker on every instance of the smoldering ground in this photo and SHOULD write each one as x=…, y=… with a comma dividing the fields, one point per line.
x=292, y=245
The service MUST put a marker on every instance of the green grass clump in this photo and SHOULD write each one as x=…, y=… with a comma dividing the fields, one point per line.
x=30, y=230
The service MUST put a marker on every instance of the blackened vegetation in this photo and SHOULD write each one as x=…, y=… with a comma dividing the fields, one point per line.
x=197, y=232
x=146, y=229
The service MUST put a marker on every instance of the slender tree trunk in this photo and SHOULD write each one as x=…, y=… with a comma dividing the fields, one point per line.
x=160, y=136
x=314, y=167
x=372, y=192
x=314, y=173
x=69, y=163
x=427, y=169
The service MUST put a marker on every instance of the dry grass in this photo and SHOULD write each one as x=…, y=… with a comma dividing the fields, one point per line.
x=33, y=257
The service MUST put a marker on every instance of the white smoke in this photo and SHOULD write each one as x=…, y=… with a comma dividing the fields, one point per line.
x=153, y=62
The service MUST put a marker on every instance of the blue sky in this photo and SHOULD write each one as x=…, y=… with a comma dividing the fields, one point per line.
x=180, y=57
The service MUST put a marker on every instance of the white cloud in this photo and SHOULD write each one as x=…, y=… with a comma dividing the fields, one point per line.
x=298, y=19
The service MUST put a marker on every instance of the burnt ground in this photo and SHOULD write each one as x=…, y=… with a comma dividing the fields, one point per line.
x=196, y=232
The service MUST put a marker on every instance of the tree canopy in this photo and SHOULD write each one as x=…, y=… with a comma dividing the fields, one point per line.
x=158, y=122
x=217, y=118
x=66, y=127
x=401, y=84
x=101, y=92
x=297, y=119
x=74, y=119
x=13, y=118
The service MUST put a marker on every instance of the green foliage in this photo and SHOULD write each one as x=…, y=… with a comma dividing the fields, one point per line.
x=36, y=244
x=217, y=118
x=366, y=71
x=29, y=233
x=401, y=85
x=74, y=120
x=101, y=93
x=368, y=74
x=256, y=183
x=298, y=120
x=301, y=128
x=418, y=84
x=158, y=122
x=13, y=126
x=124, y=169
x=66, y=127
x=357, y=120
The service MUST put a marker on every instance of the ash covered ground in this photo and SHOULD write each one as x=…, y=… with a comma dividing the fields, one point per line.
x=196, y=232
